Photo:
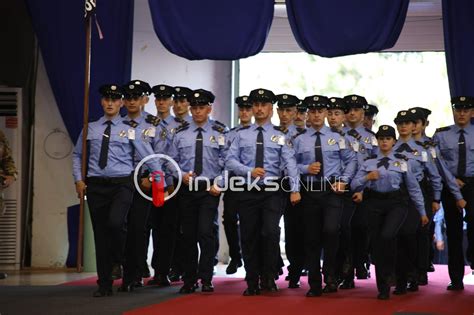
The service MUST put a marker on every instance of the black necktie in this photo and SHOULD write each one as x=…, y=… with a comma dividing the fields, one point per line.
x=198, y=156
x=104, y=148
x=462, y=154
x=259, y=154
x=318, y=153
x=404, y=147
x=383, y=162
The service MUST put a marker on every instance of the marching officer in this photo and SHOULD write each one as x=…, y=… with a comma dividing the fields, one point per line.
x=456, y=144
x=181, y=103
x=383, y=178
x=371, y=112
x=111, y=147
x=198, y=148
x=427, y=175
x=144, y=100
x=286, y=110
x=364, y=144
x=258, y=153
x=326, y=164
x=231, y=204
x=148, y=128
x=301, y=117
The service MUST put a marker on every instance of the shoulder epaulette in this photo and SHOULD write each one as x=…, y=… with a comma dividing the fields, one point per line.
x=369, y=131
x=182, y=128
x=220, y=124
x=179, y=120
x=443, y=129
x=371, y=157
x=429, y=143
x=354, y=134
x=132, y=124
x=300, y=129
x=232, y=129
x=280, y=129
x=243, y=128
x=420, y=143
x=337, y=131
x=155, y=121
x=219, y=128
x=303, y=131
x=400, y=156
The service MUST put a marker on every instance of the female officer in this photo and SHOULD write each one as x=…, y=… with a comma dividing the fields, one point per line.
x=384, y=178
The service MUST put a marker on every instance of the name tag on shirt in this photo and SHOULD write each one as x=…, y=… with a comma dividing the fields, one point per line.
x=355, y=146
x=131, y=134
x=342, y=143
x=424, y=156
x=281, y=140
x=433, y=153
x=151, y=132
x=404, y=166
x=221, y=140
x=374, y=141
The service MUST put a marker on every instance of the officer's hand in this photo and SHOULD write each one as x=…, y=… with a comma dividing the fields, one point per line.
x=80, y=188
x=170, y=189
x=187, y=177
x=339, y=187
x=314, y=168
x=8, y=181
x=214, y=191
x=460, y=183
x=424, y=220
x=374, y=175
x=461, y=204
x=258, y=172
x=145, y=184
x=357, y=197
x=439, y=245
x=435, y=207
x=295, y=198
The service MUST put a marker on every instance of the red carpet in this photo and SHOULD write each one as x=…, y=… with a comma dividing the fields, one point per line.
x=228, y=299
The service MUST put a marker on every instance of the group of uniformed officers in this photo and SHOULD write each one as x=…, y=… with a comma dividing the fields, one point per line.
x=348, y=196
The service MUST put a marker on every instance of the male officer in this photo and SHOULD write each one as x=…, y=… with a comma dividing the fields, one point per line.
x=369, y=117
x=148, y=128
x=146, y=93
x=111, y=147
x=364, y=144
x=456, y=144
x=181, y=103
x=286, y=111
x=258, y=153
x=425, y=172
x=231, y=204
x=198, y=148
x=301, y=117
x=326, y=163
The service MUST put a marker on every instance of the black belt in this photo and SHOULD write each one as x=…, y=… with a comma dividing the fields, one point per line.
x=109, y=180
x=372, y=194
x=467, y=180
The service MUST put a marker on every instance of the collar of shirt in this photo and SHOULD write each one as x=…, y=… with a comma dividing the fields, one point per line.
x=467, y=130
x=168, y=119
x=206, y=127
x=138, y=120
x=324, y=130
x=266, y=127
x=115, y=121
x=390, y=156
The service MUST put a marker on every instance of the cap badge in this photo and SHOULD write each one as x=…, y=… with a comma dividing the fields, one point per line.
x=196, y=94
x=260, y=92
x=384, y=127
x=413, y=111
x=462, y=98
x=403, y=113
x=178, y=89
x=137, y=82
x=333, y=100
x=113, y=87
x=285, y=97
x=245, y=98
x=131, y=86
x=162, y=88
x=354, y=98
x=315, y=98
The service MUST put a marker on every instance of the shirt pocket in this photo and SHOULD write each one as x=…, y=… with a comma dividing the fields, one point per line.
x=449, y=151
x=186, y=149
x=331, y=151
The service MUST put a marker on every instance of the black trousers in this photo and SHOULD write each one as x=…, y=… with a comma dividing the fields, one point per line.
x=385, y=219
x=360, y=235
x=344, y=263
x=294, y=236
x=231, y=224
x=135, y=248
x=109, y=205
x=322, y=212
x=454, y=230
x=197, y=215
x=260, y=213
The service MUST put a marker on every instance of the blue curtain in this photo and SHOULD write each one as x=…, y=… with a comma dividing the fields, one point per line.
x=60, y=28
x=458, y=24
x=212, y=29
x=345, y=27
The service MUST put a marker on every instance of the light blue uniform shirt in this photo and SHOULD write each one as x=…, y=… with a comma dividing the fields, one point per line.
x=447, y=139
x=120, y=153
x=363, y=142
x=339, y=160
x=278, y=155
x=391, y=179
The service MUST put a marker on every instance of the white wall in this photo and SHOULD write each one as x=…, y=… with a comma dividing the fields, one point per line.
x=53, y=182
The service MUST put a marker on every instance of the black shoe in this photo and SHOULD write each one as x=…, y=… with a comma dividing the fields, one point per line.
x=207, y=286
x=269, y=285
x=188, y=288
x=314, y=292
x=252, y=290
x=330, y=288
x=287, y=278
x=455, y=286
x=174, y=276
x=126, y=287
x=423, y=279
x=116, y=272
x=304, y=272
x=431, y=268
x=138, y=283
x=400, y=290
x=412, y=286
x=383, y=296
x=280, y=272
x=233, y=266
x=3, y=275
x=347, y=284
x=362, y=273
x=101, y=292
x=294, y=284
x=146, y=271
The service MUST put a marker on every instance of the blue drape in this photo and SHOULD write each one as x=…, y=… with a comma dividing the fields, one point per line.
x=60, y=28
x=212, y=29
x=345, y=27
x=458, y=25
